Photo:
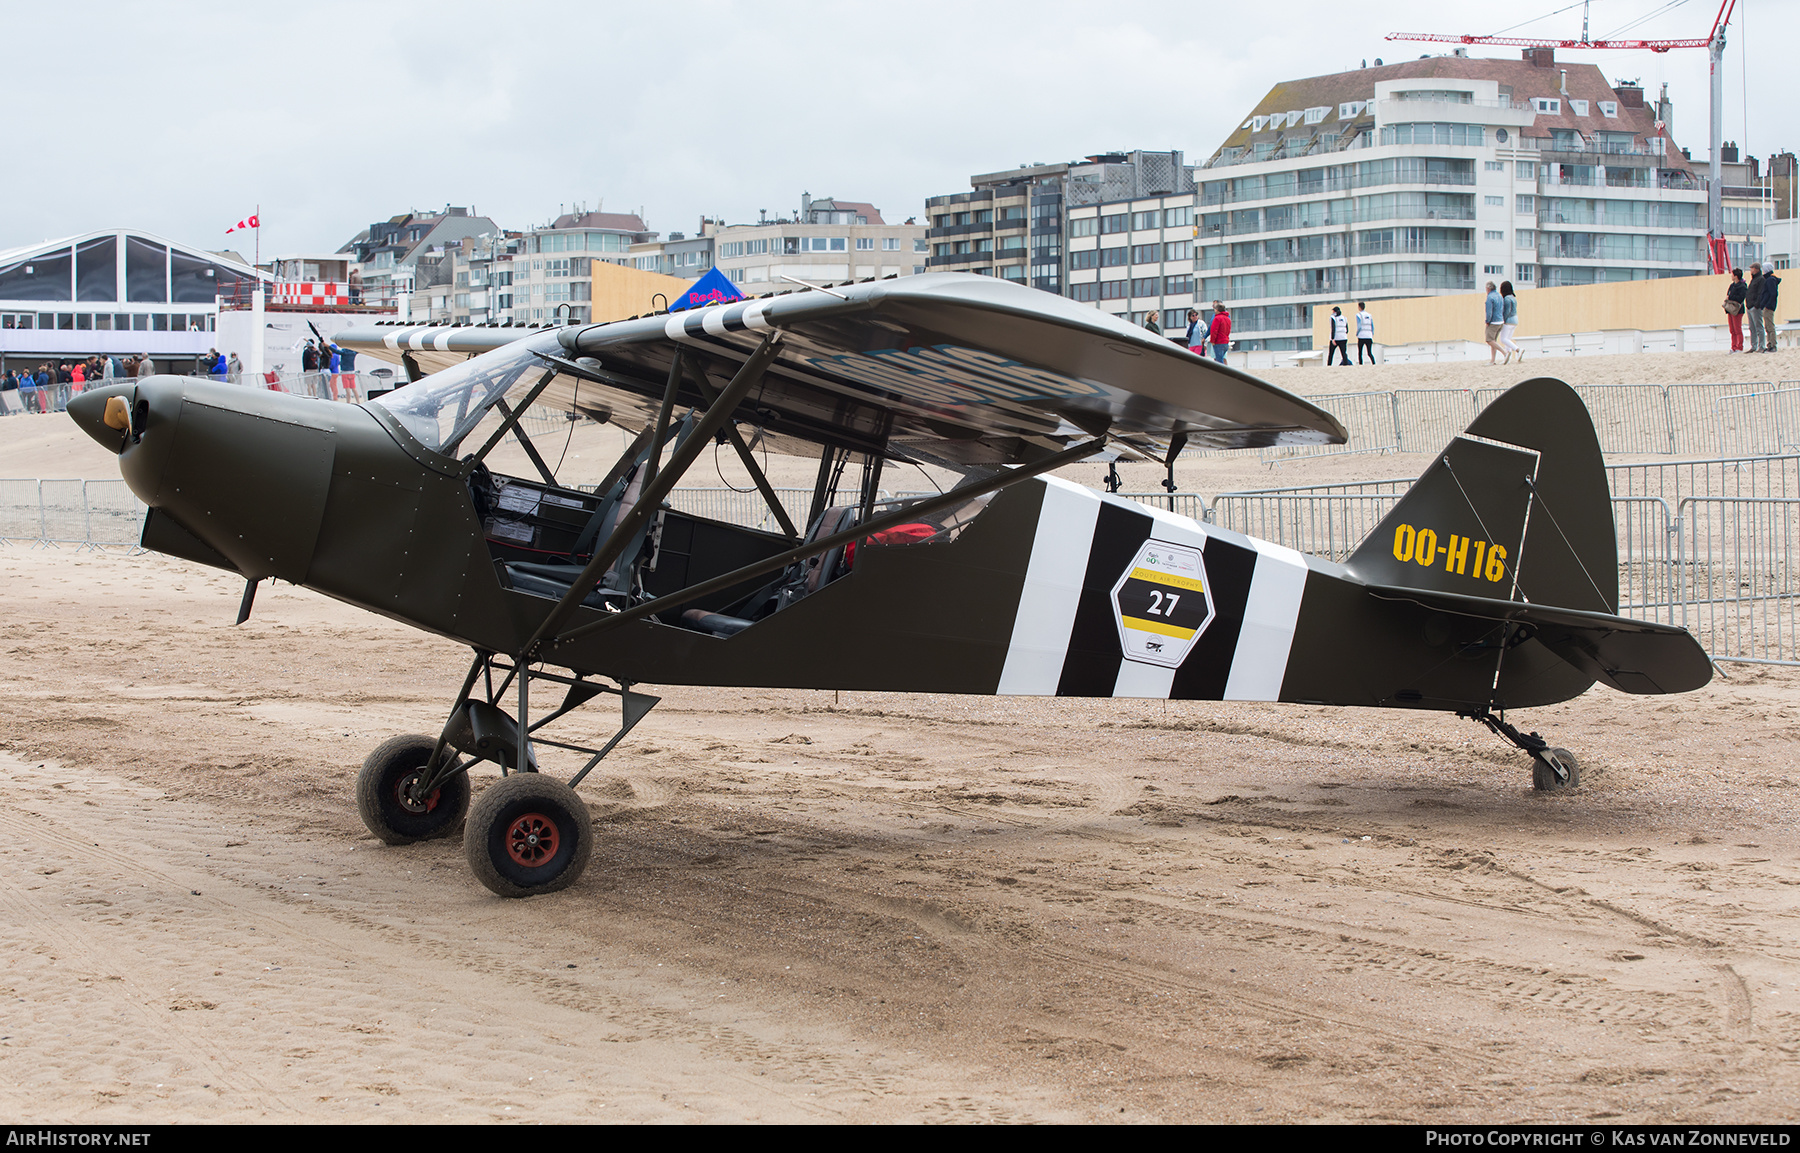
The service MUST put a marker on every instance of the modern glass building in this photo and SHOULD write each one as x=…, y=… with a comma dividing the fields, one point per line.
x=1435, y=176
x=116, y=291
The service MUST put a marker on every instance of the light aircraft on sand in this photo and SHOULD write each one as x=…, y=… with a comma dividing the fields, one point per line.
x=1492, y=585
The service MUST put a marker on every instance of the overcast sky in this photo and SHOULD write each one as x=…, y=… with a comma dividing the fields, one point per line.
x=180, y=119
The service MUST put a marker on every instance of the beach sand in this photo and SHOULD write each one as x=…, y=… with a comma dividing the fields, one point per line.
x=869, y=907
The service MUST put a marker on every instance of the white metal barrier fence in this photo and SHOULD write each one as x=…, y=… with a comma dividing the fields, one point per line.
x=1710, y=545
x=1639, y=419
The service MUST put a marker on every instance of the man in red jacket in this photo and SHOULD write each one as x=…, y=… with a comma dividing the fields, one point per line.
x=1219, y=333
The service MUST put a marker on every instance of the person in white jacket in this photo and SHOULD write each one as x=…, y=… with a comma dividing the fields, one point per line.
x=1340, y=338
x=1365, y=332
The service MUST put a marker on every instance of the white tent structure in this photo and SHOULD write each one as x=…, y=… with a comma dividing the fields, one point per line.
x=116, y=291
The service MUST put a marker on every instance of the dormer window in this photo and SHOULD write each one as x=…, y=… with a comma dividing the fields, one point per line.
x=1580, y=107
x=1609, y=109
x=1547, y=107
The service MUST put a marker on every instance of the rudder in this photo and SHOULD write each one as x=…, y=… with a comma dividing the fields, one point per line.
x=1515, y=508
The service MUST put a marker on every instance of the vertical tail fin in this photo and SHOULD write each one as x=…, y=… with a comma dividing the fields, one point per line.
x=1515, y=508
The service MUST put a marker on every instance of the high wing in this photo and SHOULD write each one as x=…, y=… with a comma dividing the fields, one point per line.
x=961, y=370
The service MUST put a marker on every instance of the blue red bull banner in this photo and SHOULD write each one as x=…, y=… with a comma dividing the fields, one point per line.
x=713, y=288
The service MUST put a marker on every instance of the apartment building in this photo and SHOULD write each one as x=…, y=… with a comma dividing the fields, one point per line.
x=829, y=240
x=1435, y=176
x=387, y=253
x=551, y=274
x=1014, y=224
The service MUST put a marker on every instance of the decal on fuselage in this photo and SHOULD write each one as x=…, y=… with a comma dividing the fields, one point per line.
x=1162, y=603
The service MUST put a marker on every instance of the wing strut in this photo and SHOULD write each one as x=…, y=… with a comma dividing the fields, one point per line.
x=651, y=499
x=911, y=512
x=743, y=450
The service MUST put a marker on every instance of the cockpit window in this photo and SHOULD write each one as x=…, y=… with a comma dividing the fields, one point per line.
x=440, y=410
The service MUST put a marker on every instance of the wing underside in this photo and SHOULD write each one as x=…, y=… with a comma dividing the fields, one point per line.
x=958, y=369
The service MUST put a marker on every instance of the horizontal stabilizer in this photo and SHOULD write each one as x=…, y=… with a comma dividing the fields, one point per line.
x=1639, y=657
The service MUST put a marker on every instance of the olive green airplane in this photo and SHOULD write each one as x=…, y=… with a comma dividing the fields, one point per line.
x=1492, y=585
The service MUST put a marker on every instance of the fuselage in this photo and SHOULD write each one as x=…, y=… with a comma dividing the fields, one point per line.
x=1053, y=589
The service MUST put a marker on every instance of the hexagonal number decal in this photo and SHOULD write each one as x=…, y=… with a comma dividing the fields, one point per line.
x=1162, y=603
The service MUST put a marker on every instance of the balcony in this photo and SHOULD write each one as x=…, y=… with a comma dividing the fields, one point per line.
x=980, y=195
x=1419, y=248
x=1421, y=284
x=959, y=258
x=958, y=230
x=1239, y=262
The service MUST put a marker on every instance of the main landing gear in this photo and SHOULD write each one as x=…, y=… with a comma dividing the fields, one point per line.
x=1552, y=769
x=527, y=833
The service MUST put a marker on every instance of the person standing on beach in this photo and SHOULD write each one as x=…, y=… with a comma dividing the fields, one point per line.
x=1495, y=315
x=1771, y=289
x=1196, y=333
x=1218, y=333
x=1734, y=308
x=1340, y=338
x=1365, y=333
x=1509, y=320
x=1752, y=302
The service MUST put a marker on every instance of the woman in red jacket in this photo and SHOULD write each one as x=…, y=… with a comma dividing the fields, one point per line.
x=1218, y=334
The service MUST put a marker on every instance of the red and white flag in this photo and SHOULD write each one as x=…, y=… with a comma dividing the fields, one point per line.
x=250, y=222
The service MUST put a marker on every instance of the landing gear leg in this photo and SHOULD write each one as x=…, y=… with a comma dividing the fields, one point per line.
x=1552, y=769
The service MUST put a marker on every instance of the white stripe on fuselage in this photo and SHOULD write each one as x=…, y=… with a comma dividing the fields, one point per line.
x=1260, y=662
x=1053, y=580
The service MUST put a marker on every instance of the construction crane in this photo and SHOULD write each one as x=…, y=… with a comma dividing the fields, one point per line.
x=1714, y=43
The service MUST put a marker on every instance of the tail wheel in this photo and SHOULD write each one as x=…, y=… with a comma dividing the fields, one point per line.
x=384, y=793
x=528, y=834
x=1544, y=777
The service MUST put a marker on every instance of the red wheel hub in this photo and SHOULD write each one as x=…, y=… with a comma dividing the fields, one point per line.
x=532, y=839
x=403, y=794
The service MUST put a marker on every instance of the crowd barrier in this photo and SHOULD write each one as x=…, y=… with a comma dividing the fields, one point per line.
x=1710, y=545
x=1746, y=419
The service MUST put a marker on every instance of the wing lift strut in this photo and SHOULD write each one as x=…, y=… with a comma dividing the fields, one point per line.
x=479, y=729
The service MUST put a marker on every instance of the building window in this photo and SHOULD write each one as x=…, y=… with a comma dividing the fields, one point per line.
x=890, y=244
x=1147, y=286
x=1525, y=238
x=1146, y=253
x=1547, y=107
x=1177, y=285
x=1526, y=273
x=1086, y=258
x=1178, y=250
x=1493, y=269
x=1493, y=234
x=1178, y=217
x=1119, y=222
x=865, y=244
x=1494, y=165
x=1086, y=226
x=1527, y=205
x=919, y=245
x=1580, y=107
x=1086, y=293
x=1609, y=109
x=1466, y=134
x=1527, y=170
x=1114, y=257
x=1494, y=201
x=1143, y=220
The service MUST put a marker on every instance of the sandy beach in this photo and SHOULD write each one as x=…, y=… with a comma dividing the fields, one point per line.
x=869, y=907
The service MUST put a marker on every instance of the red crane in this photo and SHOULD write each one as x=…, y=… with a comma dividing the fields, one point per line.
x=1714, y=40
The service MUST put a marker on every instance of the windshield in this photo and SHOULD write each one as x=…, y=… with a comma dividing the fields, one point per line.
x=440, y=410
